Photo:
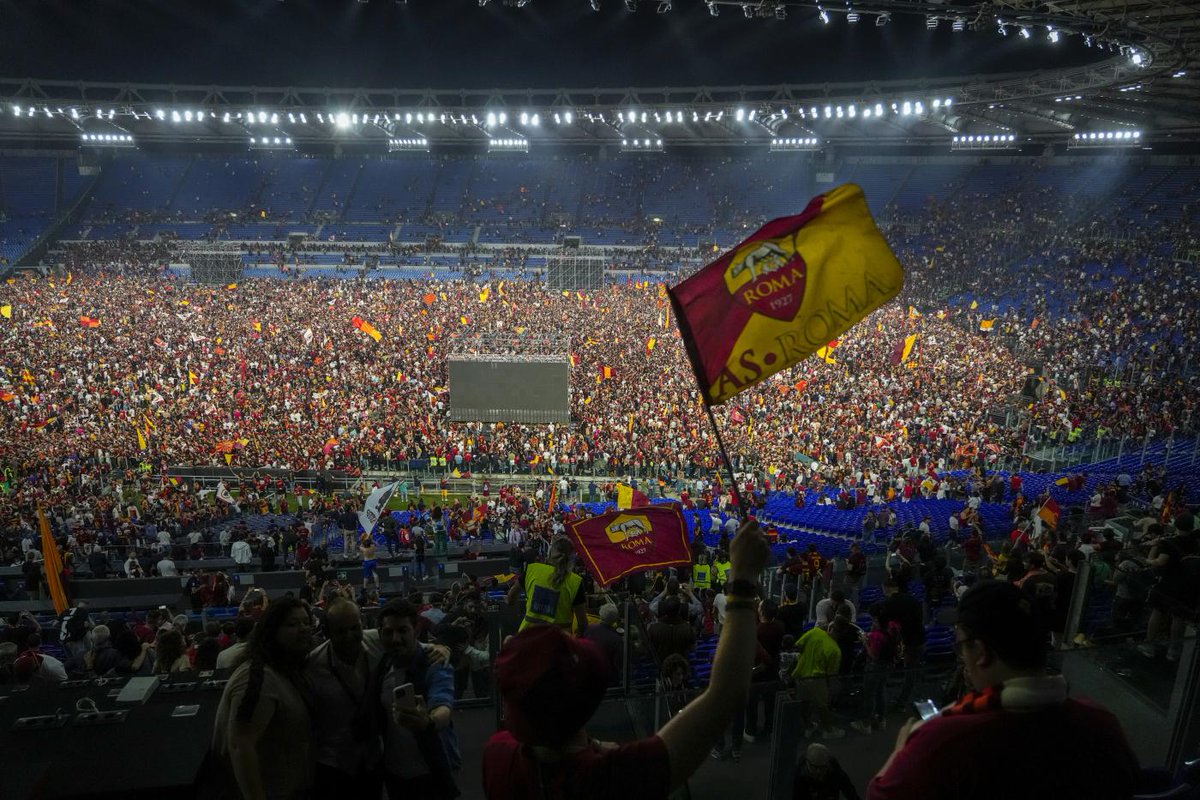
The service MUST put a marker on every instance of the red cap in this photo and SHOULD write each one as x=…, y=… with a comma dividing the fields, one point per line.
x=551, y=683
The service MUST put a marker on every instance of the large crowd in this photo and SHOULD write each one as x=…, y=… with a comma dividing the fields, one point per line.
x=273, y=373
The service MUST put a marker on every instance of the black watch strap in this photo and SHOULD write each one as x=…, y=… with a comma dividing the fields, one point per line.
x=741, y=588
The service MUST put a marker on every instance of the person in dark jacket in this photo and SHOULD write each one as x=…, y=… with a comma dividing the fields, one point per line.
x=819, y=776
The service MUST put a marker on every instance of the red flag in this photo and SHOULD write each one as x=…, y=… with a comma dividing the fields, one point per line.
x=615, y=544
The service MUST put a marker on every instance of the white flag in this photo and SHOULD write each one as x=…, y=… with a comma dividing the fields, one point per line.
x=376, y=503
x=225, y=497
x=307, y=336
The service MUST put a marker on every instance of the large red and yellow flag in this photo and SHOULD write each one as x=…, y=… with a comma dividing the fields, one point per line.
x=615, y=544
x=366, y=328
x=52, y=564
x=785, y=292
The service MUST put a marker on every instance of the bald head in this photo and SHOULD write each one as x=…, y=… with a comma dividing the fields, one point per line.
x=343, y=626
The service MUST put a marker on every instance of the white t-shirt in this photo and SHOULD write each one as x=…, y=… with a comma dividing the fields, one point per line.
x=166, y=568
x=719, y=608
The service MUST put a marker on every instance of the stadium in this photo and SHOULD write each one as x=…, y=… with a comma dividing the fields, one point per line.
x=361, y=435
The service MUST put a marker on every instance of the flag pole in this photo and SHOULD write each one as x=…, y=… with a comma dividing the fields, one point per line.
x=737, y=494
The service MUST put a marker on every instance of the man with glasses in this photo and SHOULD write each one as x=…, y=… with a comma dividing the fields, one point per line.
x=1066, y=748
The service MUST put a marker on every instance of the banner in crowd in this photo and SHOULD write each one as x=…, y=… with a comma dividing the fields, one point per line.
x=52, y=564
x=375, y=506
x=615, y=544
x=225, y=497
x=786, y=291
x=628, y=497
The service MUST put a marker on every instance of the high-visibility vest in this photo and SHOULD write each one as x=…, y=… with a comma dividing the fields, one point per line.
x=701, y=576
x=545, y=604
x=721, y=568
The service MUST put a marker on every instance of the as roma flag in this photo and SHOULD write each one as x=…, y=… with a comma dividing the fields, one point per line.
x=788, y=290
x=615, y=544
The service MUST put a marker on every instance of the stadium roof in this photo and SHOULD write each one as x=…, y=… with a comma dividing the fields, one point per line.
x=1134, y=81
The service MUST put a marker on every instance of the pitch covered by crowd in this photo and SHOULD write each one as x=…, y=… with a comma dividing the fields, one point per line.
x=115, y=357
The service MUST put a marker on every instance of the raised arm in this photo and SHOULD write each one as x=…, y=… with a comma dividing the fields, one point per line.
x=690, y=733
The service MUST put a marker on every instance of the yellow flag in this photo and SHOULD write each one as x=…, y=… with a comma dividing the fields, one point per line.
x=987, y=324
x=192, y=379
x=485, y=294
x=909, y=341
x=6, y=312
x=228, y=458
x=785, y=292
x=974, y=304
x=141, y=438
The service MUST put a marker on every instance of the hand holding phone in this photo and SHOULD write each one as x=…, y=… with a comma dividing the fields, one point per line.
x=405, y=696
x=926, y=709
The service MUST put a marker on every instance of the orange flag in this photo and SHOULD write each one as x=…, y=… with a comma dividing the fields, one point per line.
x=52, y=565
x=366, y=328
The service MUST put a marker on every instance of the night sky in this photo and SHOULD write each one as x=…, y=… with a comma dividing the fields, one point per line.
x=455, y=43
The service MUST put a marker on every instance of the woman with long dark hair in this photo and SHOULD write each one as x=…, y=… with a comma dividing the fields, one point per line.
x=171, y=653
x=262, y=724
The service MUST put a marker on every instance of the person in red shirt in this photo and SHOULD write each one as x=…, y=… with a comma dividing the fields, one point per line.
x=1068, y=748
x=552, y=684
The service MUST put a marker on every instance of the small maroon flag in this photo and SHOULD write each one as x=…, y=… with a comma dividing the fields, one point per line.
x=615, y=544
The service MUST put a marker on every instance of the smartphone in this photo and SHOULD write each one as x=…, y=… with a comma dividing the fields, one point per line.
x=405, y=695
x=926, y=709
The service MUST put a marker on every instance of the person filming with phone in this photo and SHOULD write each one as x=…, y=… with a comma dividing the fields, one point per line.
x=1069, y=748
x=416, y=697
